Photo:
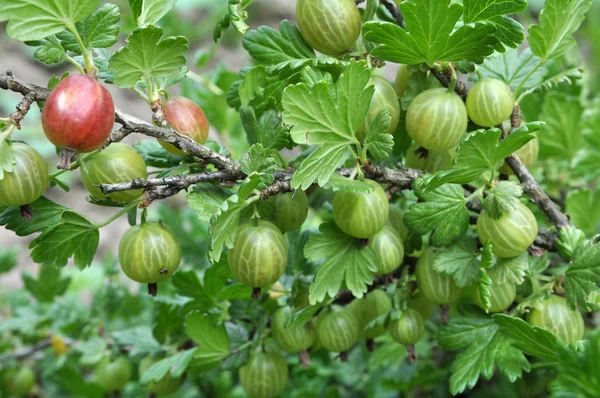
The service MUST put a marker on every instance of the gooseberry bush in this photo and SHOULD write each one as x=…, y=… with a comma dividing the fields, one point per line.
x=342, y=234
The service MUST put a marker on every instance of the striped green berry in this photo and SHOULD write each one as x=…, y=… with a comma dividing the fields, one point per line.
x=432, y=162
x=437, y=119
x=384, y=97
x=28, y=180
x=389, y=250
x=374, y=305
x=555, y=315
x=396, y=220
x=511, y=234
x=291, y=209
x=265, y=375
x=361, y=215
x=113, y=376
x=337, y=329
x=167, y=385
x=501, y=297
x=409, y=329
x=420, y=304
x=149, y=252
x=490, y=102
x=528, y=154
x=436, y=287
x=402, y=77
x=117, y=163
x=18, y=382
x=259, y=254
x=330, y=26
x=294, y=338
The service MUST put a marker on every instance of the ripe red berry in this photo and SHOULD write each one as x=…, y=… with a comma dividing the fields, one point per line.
x=188, y=119
x=79, y=114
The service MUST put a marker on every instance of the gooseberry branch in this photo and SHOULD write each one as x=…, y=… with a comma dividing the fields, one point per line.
x=229, y=170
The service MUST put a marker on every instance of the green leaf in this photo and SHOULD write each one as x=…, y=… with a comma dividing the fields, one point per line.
x=50, y=51
x=442, y=211
x=485, y=348
x=211, y=336
x=481, y=152
x=257, y=161
x=36, y=19
x=258, y=90
x=206, y=198
x=340, y=183
x=502, y=198
x=92, y=350
x=511, y=270
x=139, y=339
x=508, y=31
x=155, y=155
x=188, y=284
x=225, y=221
x=582, y=208
x=8, y=260
x=46, y=214
x=558, y=21
x=514, y=68
x=268, y=130
x=568, y=76
x=148, y=55
x=582, y=278
x=430, y=36
x=48, y=285
x=99, y=30
x=532, y=340
x=319, y=166
x=328, y=116
x=577, y=371
x=345, y=261
x=7, y=157
x=150, y=12
x=459, y=261
x=562, y=136
x=74, y=236
x=279, y=50
x=570, y=240
x=175, y=366
x=378, y=142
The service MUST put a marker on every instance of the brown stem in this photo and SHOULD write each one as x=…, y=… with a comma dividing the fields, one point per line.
x=445, y=313
x=152, y=289
x=344, y=356
x=412, y=353
x=304, y=358
x=256, y=293
x=26, y=212
x=370, y=345
x=22, y=109
x=65, y=158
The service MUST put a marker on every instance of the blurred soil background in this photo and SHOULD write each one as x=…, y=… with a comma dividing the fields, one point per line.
x=194, y=19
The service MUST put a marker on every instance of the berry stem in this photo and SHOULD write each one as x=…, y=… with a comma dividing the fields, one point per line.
x=412, y=354
x=26, y=212
x=152, y=289
x=304, y=358
x=87, y=57
x=124, y=210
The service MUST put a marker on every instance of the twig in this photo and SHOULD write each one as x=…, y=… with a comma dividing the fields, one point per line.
x=27, y=351
x=131, y=124
x=230, y=170
x=178, y=181
x=395, y=11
